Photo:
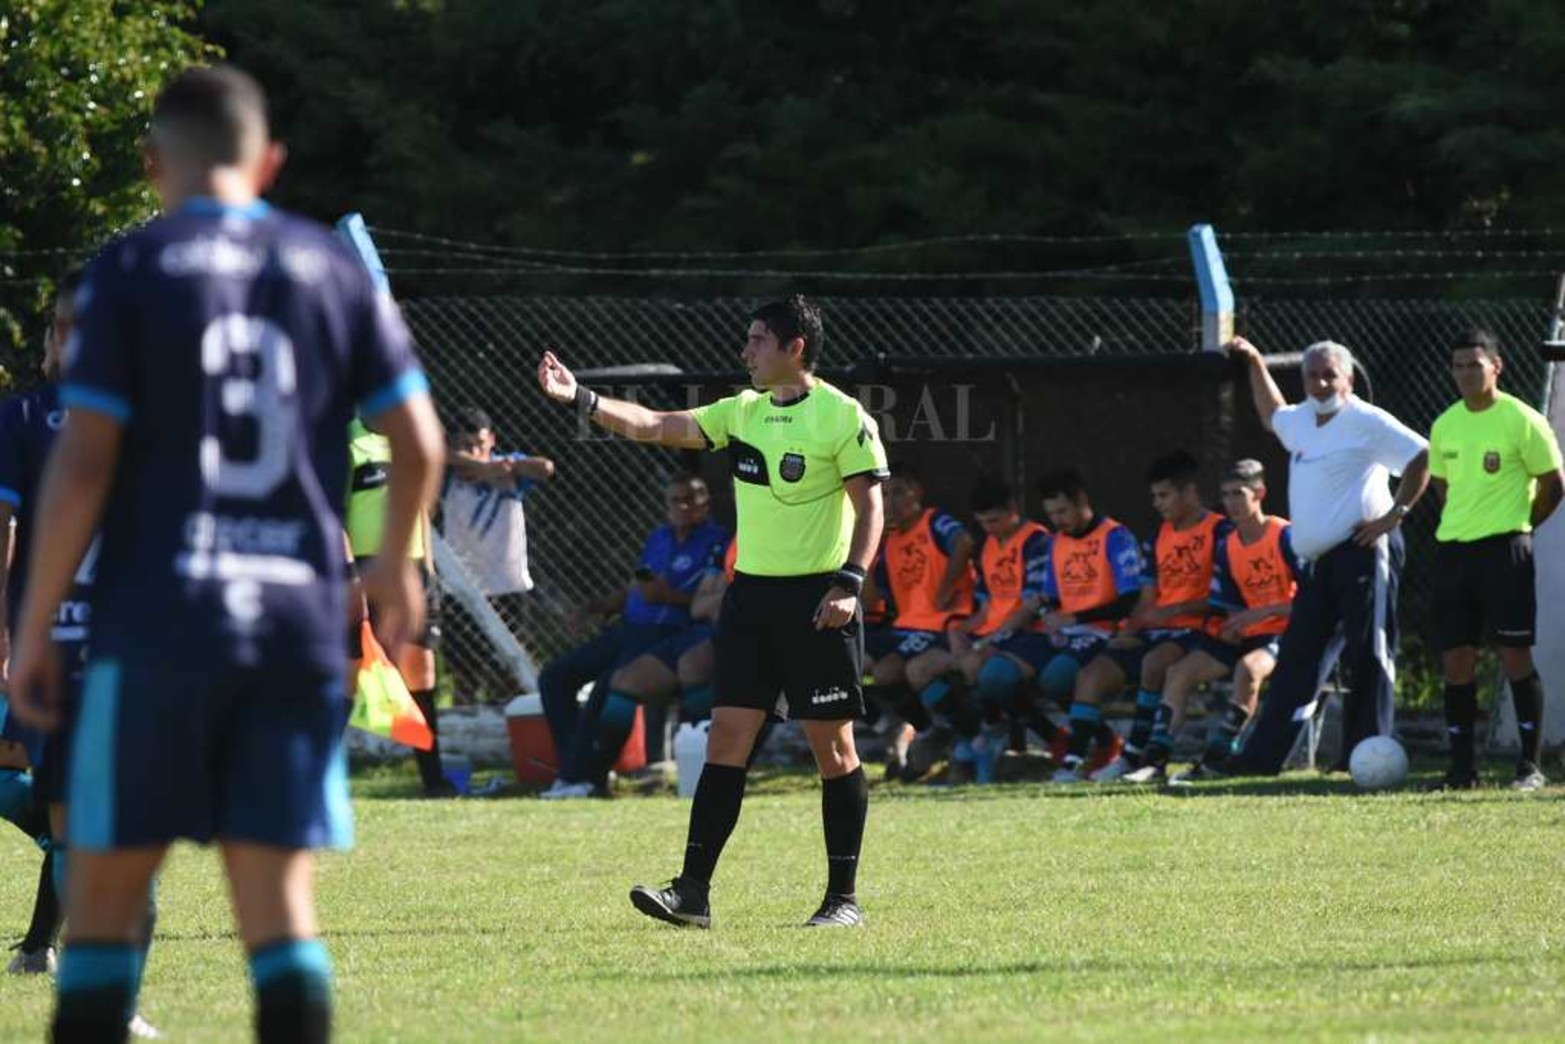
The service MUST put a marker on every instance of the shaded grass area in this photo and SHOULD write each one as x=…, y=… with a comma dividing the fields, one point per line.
x=1291, y=909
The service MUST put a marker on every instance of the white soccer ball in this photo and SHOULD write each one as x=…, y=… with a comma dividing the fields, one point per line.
x=1377, y=763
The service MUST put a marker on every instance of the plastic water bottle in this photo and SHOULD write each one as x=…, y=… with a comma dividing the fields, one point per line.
x=690, y=755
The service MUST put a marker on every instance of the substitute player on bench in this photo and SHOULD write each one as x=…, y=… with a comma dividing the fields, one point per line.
x=218, y=355
x=807, y=467
x=1495, y=465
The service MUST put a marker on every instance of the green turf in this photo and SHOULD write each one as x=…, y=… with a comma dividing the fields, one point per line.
x=1291, y=909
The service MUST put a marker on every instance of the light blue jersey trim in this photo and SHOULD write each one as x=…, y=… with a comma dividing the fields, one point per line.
x=81, y=397
x=394, y=394
x=207, y=206
x=91, y=790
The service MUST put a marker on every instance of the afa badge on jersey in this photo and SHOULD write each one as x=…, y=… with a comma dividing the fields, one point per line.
x=1491, y=462
x=791, y=467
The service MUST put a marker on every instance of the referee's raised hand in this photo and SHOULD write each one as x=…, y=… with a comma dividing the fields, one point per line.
x=557, y=382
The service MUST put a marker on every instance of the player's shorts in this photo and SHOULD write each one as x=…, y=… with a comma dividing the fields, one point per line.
x=166, y=751
x=766, y=643
x=1488, y=581
x=429, y=637
x=670, y=649
x=1129, y=658
x=1230, y=653
x=897, y=641
x=1036, y=648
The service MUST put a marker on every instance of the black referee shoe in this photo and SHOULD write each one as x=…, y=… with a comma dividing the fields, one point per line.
x=1455, y=779
x=837, y=911
x=677, y=904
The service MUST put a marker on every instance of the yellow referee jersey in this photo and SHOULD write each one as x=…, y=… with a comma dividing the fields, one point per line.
x=789, y=464
x=1488, y=459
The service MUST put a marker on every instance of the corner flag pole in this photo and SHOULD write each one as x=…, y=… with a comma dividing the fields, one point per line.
x=1217, y=296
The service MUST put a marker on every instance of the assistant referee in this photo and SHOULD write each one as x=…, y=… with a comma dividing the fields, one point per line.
x=1496, y=468
x=807, y=465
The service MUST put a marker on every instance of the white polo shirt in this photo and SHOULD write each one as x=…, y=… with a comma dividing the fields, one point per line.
x=1339, y=473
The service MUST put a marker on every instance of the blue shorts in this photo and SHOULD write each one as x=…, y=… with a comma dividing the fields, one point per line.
x=670, y=649
x=1129, y=659
x=1228, y=654
x=165, y=751
x=904, y=643
x=1036, y=649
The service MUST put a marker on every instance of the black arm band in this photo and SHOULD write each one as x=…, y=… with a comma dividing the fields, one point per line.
x=850, y=578
x=586, y=399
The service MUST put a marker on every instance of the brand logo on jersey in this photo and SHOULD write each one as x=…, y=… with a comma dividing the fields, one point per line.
x=778, y=418
x=821, y=697
x=55, y=420
x=792, y=467
x=680, y=563
x=1491, y=462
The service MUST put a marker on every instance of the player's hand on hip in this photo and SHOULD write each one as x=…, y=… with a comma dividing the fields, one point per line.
x=836, y=609
x=35, y=682
x=1366, y=533
x=557, y=382
x=393, y=587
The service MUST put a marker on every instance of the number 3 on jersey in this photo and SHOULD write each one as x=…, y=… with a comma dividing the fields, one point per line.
x=249, y=368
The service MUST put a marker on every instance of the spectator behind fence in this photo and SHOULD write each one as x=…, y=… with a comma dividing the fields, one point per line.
x=655, y=605
x=1345, y=527
x=483, y=522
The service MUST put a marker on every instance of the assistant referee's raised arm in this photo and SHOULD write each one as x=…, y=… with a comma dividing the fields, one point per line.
x=631, y=420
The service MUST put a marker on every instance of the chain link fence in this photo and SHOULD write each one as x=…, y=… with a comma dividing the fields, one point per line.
x=587, y=526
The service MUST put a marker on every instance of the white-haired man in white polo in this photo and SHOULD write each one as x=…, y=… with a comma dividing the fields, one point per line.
x=1342, y=454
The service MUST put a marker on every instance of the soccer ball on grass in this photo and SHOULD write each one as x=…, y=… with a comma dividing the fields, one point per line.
x=1377, y=763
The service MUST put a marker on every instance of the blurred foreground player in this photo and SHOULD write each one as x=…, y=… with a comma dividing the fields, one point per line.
x=807, y=467
x=219, y=354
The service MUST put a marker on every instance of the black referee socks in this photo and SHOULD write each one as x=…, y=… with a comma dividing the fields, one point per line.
x=844, y=807
x=713, y=814
x=1527, y=697
x=1461, y=717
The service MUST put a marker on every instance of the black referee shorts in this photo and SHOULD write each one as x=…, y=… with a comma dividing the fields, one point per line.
x=1485, y=581
x=429, y=637
x=766, y=644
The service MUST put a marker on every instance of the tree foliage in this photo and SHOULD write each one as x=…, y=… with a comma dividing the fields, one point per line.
x=78, y=79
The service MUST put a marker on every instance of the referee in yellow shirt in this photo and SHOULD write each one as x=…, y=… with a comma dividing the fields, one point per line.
x=1496, y=468
x=807, y=466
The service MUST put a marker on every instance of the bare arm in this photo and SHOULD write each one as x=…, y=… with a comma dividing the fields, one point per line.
x=869, y=519
x=631, y=420
x=709, y=596
x=956, y=568
x=1415, y=479
x=417, y=452
x=1551, y=488
x=1263, y=390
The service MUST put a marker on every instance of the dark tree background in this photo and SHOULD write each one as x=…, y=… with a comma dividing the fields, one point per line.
x=759, y=124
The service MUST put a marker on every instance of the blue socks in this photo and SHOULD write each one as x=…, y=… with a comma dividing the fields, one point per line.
x=1147, y=703
x=696, y=703
x=1085, y=718
x=96, y=991
x=292, y=980
x=16, y=797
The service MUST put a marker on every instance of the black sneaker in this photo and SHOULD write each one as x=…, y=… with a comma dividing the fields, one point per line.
x=1456, y=779
x=928, y=747
x=1529, y=777
x=837, y=911
x=676, y=904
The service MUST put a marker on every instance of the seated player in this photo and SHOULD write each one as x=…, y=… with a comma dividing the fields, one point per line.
x=1168, y=621
x=679, y=665
x=1090, y=582
x=1008, y=593
x=1253, y=580
x=653, y=607
x=926, y=570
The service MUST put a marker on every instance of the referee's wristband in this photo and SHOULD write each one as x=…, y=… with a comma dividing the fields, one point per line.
x=586, y=399
x=850, y=578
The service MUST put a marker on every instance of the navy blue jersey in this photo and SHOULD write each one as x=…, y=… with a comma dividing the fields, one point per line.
x=680, y=562
x=28, y=424
x=234, y=345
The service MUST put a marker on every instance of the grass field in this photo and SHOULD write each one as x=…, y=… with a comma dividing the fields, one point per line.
x=1291, y=909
